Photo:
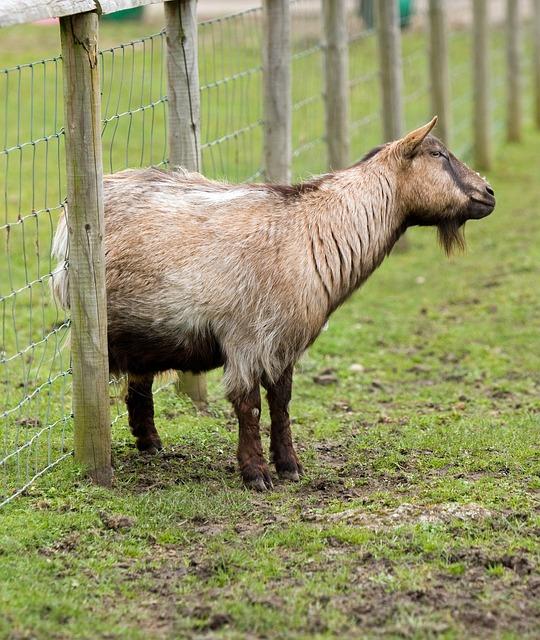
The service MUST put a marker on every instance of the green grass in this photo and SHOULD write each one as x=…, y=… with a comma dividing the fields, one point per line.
x=419, y=513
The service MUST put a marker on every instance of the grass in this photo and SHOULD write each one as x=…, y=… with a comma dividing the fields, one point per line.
x=419, y=513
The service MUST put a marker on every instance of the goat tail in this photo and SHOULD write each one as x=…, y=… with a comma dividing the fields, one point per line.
x=60, y=250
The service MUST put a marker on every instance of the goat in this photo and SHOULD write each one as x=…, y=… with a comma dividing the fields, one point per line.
x=202, y=274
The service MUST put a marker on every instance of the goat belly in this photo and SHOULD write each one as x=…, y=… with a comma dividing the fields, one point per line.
x=145, y=352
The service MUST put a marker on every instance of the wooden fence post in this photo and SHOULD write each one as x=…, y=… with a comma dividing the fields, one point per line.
x=391, y=67
x=391, y=70
x=336, y=74
x=277, y=90
x=90, y=364
x=536, y=61
x=513, y=71
x=438, y=66
x=184, y=122
x=482, y=111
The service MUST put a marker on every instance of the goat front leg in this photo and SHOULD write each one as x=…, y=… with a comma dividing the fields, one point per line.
x=253, y=467
x=282, y=450
x=140, y=406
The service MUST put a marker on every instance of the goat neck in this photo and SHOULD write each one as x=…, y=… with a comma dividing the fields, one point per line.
x=353, y=221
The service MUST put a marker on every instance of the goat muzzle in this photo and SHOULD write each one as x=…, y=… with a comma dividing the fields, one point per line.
x=482, y=204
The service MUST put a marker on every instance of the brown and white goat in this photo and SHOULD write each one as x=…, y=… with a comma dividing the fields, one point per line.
x=202, y=274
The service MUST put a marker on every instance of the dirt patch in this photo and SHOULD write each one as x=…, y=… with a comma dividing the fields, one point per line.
x=326, y=377
x=474, y=604
x=478, y=603
x=408, y=514
x=65, y=545
x=116, y=522
x=519, y=562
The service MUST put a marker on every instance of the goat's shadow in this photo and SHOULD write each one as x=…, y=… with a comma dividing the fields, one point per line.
x=175, y=465
x=331, y=473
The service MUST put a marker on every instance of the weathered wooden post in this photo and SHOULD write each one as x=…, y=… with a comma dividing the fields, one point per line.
x=482, y=111
x=513, y=72
x=391, y=70
x=391, y=66
x=184, y=121
x=82, y=108
x=438, y=67
x=336, y=74
x=536, y=61
x=277, y=90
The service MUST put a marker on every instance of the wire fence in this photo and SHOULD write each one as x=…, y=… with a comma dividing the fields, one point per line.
x=365, y=125
x=35, y=388
x=308, y=136
x=134, y=103
x=231, y=86
x=34, y=366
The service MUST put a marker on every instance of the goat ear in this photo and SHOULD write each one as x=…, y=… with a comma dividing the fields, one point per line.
x=410, y=143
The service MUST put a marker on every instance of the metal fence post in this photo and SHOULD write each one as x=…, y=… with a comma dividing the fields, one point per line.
x=536, y=61
x=482, y=111
x=184, y=122
x=336, y=74
x=438, y=67
x=92, y=439
x=277, y=90
x=513, y=70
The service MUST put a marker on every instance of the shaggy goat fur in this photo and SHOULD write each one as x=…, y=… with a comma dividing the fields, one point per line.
x=202, y=274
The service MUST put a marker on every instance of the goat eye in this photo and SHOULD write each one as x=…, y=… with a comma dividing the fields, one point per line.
x=435, y=154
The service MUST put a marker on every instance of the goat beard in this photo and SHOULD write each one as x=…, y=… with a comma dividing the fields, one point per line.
x=451, y=236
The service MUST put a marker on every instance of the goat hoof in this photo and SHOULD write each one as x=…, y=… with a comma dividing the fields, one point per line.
x=258, y=479
x=290, y=470
x=149, y=447
x=258, y=484
x=294, y=476
x=151, y=451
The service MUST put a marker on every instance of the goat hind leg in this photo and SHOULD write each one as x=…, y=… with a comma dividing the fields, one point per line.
x=281, y=445
x=140, y=405
x=253, y=467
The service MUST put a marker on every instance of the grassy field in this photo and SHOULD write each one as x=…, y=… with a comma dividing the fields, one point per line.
x=419, y=515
